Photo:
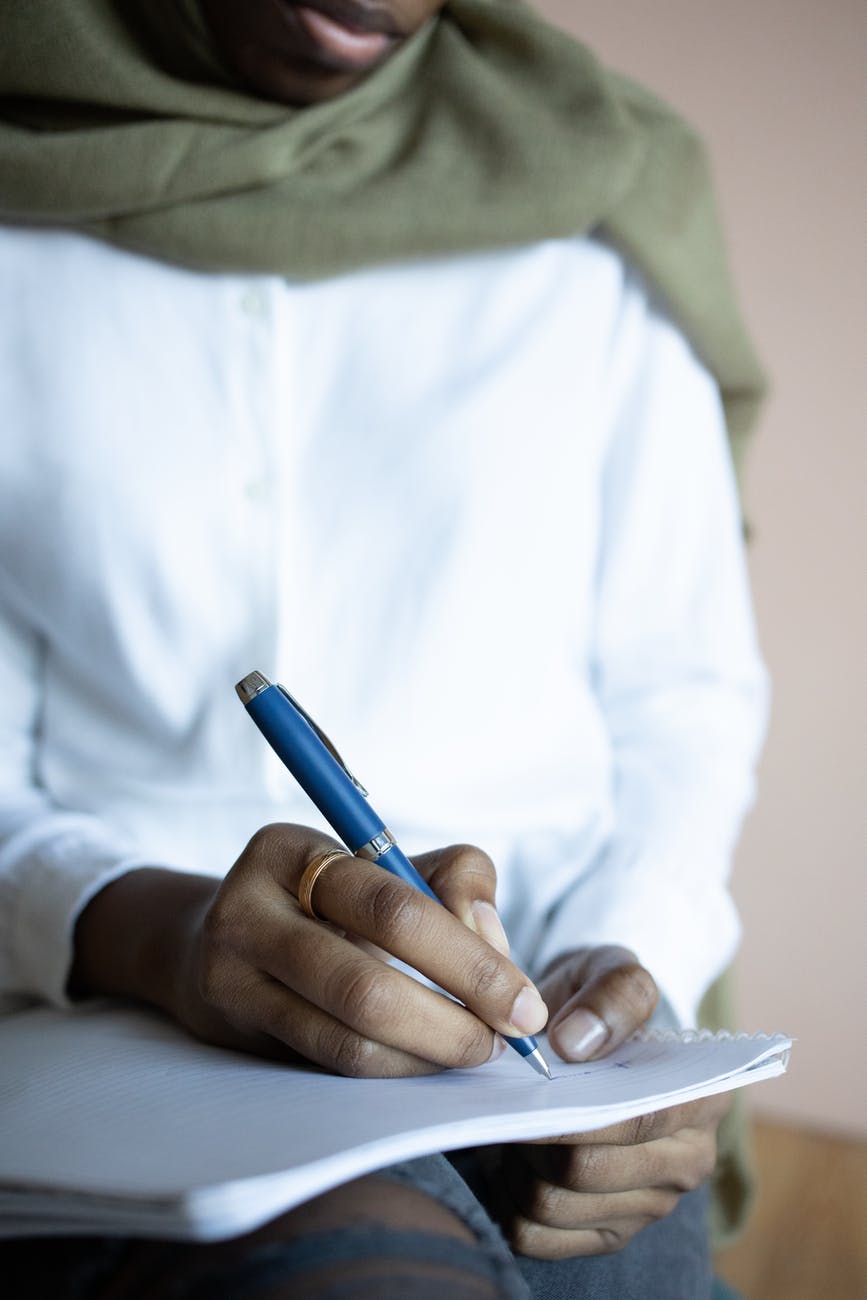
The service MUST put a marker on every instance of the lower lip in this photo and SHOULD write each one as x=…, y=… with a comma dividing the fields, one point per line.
x=348, y=45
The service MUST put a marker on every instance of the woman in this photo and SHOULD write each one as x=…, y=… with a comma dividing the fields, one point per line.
x=323, y=354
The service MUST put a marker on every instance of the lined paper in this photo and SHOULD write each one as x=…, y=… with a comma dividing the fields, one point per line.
x=114, y=1120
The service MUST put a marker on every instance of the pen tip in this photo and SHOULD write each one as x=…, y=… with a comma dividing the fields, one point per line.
x=539, y=1064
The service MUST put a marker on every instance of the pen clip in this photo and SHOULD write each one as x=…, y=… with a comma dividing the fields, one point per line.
x=322, y=736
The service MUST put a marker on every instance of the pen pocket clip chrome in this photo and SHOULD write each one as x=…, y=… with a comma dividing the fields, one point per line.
x=315, y=727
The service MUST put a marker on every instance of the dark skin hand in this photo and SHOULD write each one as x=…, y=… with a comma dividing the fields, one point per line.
x=590, y=1193
x=305, y=54
x=238, y=962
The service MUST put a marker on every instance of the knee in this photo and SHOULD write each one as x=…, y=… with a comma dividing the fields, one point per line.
x=371, y=1200
x=376, y=1239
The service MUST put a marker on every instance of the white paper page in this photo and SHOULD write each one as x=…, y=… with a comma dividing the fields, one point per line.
x=111, y=1105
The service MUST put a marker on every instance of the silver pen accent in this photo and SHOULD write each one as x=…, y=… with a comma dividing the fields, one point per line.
x=374, y=849
x=255, y=683
x=539, y=1064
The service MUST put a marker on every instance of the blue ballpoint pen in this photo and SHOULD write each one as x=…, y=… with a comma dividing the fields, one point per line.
x=320, y=771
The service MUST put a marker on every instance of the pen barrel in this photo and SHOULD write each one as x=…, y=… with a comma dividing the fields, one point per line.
x=523, y=1046
x=315, y=769
x=396, y=861
x=334, y=793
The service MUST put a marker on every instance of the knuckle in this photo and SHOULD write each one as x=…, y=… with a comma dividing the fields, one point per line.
x=542, y=1202
x=705, y=1163
x=635, y=986
x=272, y=850
x=220, y=927
x=523, y=1235
x=661, y=1206
x=264, y=842
x=353, y=1055
x=582, y=1167
x=393, y=908
x=485, y=973
x=469, y=861
x=365, y=999
x=688, y=1179
x=612, y=1239
x=472, y=1045
x=473, y=858
x=262, y=837
x=209, y=979
x=711, y=1155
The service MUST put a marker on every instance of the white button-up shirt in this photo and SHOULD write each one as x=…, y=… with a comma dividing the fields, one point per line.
x=477, y=514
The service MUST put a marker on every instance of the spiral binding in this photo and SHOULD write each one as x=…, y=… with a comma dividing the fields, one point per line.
x=706, y=1036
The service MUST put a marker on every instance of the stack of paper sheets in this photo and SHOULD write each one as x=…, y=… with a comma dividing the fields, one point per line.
x=115, y=1121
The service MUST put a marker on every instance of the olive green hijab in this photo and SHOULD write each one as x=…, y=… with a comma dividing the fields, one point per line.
x=487, y=129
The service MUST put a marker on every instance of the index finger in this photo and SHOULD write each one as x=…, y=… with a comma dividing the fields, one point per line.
x=359, y=896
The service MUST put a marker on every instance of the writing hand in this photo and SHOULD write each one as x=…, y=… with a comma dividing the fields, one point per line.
x=240, y=964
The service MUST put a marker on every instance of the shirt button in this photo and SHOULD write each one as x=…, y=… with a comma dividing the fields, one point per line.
x=253, y=303
x=257, y=489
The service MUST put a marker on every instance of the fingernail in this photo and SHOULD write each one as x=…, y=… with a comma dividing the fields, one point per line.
x=487, y=924
x=529, y=1012
x=498, y=1048
x=580, y=1034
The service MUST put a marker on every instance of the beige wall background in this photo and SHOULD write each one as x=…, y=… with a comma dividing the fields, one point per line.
x=778, y=89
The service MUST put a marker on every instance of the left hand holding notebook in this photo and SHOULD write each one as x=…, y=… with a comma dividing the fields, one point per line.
x=241, y=965
x=591, y=1193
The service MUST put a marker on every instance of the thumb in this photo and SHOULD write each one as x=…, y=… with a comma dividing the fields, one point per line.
x=601, y=995
x=464, y=879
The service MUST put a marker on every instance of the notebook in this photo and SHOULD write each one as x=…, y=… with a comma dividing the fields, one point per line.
x=114, y=1121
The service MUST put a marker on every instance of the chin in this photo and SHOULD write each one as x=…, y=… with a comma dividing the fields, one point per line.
x=298, y=85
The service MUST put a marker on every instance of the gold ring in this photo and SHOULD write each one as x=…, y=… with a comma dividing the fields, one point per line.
x=312, y=872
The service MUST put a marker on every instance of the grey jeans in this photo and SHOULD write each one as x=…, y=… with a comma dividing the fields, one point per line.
x=669, y=1260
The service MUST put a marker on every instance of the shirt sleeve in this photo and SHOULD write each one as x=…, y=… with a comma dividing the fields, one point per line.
x=52, y=860
x=677, y=673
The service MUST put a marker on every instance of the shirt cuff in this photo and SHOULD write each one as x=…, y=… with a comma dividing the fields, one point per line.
x=58, y=872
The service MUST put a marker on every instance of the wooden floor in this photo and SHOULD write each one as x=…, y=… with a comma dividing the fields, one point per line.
x=807, y=1239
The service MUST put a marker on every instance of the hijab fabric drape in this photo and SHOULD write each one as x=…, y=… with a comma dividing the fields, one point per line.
x=487, y=129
